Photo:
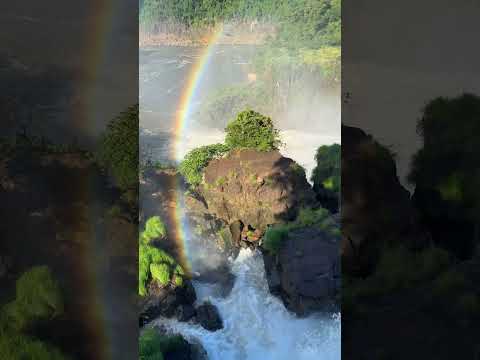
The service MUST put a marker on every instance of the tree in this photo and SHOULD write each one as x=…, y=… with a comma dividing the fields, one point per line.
x=119, y=148
x=327, y=172
x=448, y=165
x=252, y=130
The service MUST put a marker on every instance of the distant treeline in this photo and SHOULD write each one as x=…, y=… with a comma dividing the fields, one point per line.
x=305, y=23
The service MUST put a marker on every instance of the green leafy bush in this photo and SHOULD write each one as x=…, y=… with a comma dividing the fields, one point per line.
x=400, y=268
x=274, y=238
x=153, y=346
x=119, y=148
x=154, y=263
x=160, y=272
x=197, y=159
x=327, y=172
x=38, y=297
x=252, y=130
x=154, y=229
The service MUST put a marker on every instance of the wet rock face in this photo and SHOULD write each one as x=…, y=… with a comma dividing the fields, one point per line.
x=306, y=271
x=376, y=208
x=208, y=317
x=166, y=301
x=255, y=188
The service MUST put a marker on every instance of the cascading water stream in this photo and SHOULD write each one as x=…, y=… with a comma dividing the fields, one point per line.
x=257, y=326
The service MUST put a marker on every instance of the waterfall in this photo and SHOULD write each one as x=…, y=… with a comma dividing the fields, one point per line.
x=257, y=325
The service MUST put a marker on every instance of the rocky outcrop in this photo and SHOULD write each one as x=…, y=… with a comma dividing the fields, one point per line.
x=208, y=317
x=376, y=208
x=305, y=273
x=254, y=189
x=166, y=301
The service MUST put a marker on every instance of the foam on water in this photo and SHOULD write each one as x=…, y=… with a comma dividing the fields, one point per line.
x=256, y=324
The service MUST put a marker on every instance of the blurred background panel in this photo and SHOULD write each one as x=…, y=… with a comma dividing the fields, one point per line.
x=410, y=111
x=68, y=193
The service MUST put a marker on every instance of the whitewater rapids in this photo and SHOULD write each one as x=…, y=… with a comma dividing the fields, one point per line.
x=257, y=326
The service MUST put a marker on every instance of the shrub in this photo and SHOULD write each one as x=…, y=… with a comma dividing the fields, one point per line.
x=154, y=263
x=252, y=130
x=197, y=159
x=38, y=297
x=160, y=272
x=119, y=148
x=327, y=172
x=153, y=346
x=274, y=238
x=154, y=229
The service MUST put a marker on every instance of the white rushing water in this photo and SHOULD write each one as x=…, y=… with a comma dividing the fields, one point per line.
x=256, y=324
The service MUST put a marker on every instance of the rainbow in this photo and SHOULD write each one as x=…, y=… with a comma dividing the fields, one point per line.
x=188, y=94
x=183, y=115
x=95, y=50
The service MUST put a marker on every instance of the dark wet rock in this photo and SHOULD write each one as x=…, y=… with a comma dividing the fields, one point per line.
x=185, y=312
x=165, y=300
x=208, y=317
x=181, y=348
x=376, y=208
x=305, y=273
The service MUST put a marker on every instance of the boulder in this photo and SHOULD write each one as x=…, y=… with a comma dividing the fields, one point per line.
x=376, y=208
x=185, y=312
x=305, y=273
x=255, y=189
x=208, y=317
x=165, y=300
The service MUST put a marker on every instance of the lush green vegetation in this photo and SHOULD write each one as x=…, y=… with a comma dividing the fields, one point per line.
x=447, y=164
x=252, y=130
x=154, y=229
x=249, y=130
x=304, y=22
x=119, y=148
x=320, y=218
x=154, y=263
x=197, y=159
x=153, y=346
x=15, y=346
x=38, y=298
x=327, y=173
